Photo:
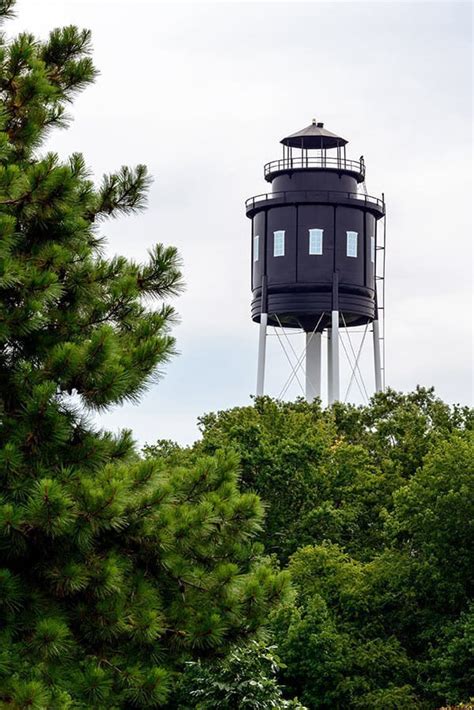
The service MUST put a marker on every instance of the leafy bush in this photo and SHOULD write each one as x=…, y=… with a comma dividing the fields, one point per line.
x=244, y=679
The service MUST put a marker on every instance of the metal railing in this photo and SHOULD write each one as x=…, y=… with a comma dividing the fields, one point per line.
x=319, y=161
x=330, y=196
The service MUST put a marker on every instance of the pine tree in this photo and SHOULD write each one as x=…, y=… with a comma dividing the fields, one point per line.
x=114, y=570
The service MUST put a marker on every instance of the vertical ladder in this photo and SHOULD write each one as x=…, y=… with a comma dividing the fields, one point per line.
x=380, y=288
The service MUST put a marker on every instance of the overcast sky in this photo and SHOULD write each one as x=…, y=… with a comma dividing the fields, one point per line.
x=203, y=92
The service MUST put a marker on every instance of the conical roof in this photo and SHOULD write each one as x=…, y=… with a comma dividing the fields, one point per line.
x=314, y=136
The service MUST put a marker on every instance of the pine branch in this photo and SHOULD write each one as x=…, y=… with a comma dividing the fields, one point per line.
x=6, y=9
x=122, y=193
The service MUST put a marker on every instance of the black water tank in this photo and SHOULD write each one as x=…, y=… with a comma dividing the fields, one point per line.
x=314, y=236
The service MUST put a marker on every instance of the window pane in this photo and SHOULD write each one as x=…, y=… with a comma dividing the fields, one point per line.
x=372, y=250
x=256, y=241
x=316, y=241
x=279, y=243
x=351, y=244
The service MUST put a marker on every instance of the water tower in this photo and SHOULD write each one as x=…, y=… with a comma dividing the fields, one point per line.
x=318, y=259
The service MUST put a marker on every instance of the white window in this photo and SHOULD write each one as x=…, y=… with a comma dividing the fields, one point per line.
x=352, y=244
x=372, y=250
x=256, y=244
x=279, y=243
x=316, y=241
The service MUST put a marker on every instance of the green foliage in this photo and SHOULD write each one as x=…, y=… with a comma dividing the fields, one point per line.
x=332, y=646
x=433, y=517
x=342, y=465
x=134, y=569
x=245, y=678
x=396, y=631
x=114, y=571
x=373, y=508
x=277, y=443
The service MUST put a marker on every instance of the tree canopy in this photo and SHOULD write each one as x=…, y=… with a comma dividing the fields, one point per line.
x=372, y=509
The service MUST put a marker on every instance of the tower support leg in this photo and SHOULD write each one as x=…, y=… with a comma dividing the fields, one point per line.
x=377, y=364
x=313, y=366
x=262, y=347
x=334, y=356
x=329, y=365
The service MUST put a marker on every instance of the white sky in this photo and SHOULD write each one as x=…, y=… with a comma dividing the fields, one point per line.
x=203, y=92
